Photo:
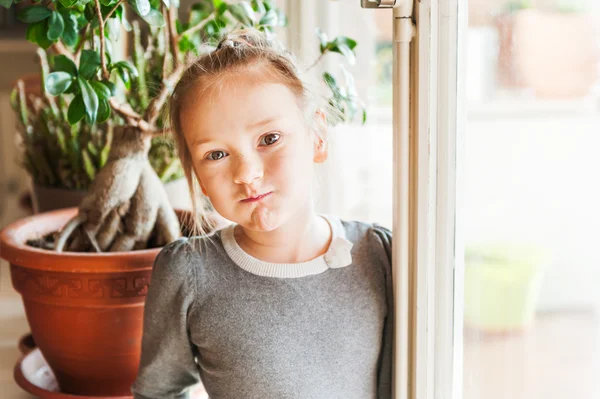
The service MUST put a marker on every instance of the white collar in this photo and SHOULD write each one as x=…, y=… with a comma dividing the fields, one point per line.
x=338, y=255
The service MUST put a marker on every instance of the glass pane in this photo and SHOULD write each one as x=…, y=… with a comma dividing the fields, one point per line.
x=531, y=312
x=356, y=182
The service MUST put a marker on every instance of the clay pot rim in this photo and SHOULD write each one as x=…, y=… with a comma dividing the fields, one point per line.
x=40, y=392
x=14, y=250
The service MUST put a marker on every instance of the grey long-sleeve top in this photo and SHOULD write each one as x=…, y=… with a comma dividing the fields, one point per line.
x=256, y=330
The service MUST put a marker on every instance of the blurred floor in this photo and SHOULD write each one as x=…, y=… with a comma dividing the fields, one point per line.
x=557, y=358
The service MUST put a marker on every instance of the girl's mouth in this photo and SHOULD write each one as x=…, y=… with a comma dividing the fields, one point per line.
x=258, y=198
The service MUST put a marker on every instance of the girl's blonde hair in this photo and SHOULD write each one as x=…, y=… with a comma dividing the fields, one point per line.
x=238, y=51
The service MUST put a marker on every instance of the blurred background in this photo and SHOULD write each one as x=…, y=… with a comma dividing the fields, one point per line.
x=531, y=202
x=530, y=219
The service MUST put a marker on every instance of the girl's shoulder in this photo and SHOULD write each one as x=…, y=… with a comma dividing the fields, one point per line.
x=359, y=231
x=186, y=253
x=371, y=242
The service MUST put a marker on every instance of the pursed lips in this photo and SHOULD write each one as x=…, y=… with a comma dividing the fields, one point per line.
x=257, y=198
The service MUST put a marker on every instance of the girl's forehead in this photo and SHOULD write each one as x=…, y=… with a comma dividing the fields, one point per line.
x=236, y=104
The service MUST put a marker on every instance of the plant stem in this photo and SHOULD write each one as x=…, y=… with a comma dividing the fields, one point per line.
x=81, y=43
x=172, y=32
x=314, y=64
x=105, y=72
x=132, y=117
x=113, y=9
x=157, y=103
x=61, y=49
x=195, y=28
x=167, y=39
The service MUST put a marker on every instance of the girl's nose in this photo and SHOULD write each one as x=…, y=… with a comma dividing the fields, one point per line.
x=248, y=170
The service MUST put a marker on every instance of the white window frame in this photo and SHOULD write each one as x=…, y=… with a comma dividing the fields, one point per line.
x=436, y=247
x=439, y=67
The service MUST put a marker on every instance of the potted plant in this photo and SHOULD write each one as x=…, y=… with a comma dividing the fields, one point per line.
x=502, y=284
x=85, y=308
x=553, y=51
x=508, y=72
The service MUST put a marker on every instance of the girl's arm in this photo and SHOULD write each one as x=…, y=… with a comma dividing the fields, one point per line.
x=384, y=381
x=167, y=366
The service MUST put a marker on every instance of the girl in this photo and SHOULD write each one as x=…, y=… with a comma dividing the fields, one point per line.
x=286, y=303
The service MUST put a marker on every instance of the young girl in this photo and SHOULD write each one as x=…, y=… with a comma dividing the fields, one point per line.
x=285, y=302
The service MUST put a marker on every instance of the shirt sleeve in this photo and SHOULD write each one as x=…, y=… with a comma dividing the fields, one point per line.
x=167, y=365
x=384, y=380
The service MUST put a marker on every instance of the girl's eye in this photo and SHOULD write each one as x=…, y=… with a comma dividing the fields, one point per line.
x=216, y=155
x=269, y=139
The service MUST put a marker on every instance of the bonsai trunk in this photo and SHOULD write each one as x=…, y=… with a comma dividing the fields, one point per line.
x=127, y=207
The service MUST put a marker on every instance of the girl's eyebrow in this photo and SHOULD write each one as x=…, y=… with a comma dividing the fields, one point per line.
x=252, y=126
x=264, y=122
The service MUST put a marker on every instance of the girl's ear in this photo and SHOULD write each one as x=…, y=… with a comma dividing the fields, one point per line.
x=321, y=148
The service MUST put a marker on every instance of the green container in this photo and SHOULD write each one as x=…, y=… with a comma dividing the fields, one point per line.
x=502, y=284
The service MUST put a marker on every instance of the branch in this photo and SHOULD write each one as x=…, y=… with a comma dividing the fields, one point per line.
x=167, y=33
x=61, y=49
x=172, y=33
x=105, y=72
x=195, y=28
x=314, y=64
x=132, y=117
x=113, y=9
x=82, y=42
x=157, y=103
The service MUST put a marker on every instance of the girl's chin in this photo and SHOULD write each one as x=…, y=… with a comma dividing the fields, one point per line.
x=262, y=218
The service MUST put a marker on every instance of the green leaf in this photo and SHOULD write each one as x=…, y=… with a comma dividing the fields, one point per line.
x=92, y=149
x=68, y=3
x=344, y=46
x=270, y=18
x=56, y=26
x=322, y=40
x=70, y=33
x=112, y=29
x=111, y=86
x=243, y=12
x=88, y=165
x=269, y=5
x=101, y=90
x=76, y=110
x=58, y=82
x=90, y=99
x=36, y=33
x=259, y=6
x=154, y=18
x=34, y=14
x=89, y=63
x=169, y=3
x=124, y=75
x=103, y=111
x=283, y=21
x=141, y=7
x=127, y=66
x=332, y=84
x=199, y=12
x=6, y=3
x=65, y=64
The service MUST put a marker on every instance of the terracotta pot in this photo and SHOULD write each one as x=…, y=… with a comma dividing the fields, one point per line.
x=555, y=54
x=51, y=198
x=509, y=74
x=85, y=310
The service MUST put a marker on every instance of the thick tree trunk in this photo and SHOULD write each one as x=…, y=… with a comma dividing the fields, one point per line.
x=127, y=206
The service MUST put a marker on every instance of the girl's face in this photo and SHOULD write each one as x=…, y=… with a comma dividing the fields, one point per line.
x=252, y=150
